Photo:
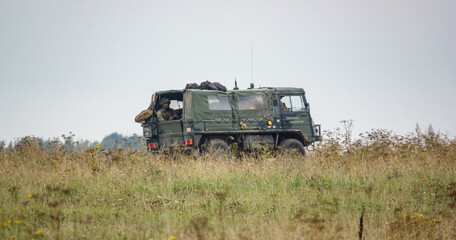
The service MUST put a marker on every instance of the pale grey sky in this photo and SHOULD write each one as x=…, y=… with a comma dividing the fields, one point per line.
x=90, y=66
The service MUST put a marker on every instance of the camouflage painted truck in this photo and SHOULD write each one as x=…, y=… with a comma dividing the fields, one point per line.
x=211, y=120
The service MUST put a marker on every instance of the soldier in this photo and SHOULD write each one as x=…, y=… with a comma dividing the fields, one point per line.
x=284, y=106
x=165, y=113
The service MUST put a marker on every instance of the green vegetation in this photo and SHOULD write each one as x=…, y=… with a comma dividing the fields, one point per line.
x=399, y=187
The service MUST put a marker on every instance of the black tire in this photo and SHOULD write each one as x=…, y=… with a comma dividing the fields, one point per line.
x=218, y=147
x=292, y=145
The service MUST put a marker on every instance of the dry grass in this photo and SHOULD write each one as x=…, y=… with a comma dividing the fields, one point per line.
x=400, y=187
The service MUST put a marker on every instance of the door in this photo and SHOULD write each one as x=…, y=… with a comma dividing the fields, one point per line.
x=295, y=114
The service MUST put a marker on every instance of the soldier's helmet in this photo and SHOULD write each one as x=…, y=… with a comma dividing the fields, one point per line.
x=164, y=100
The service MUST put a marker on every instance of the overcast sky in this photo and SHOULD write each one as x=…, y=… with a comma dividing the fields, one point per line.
x=90, y=66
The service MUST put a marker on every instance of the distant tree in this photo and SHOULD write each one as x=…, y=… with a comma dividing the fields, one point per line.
x=112, y=140
x=135, y=142
x=116, y=140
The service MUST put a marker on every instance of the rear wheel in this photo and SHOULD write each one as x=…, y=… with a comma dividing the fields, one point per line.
x=218, y=147
x=292, y=146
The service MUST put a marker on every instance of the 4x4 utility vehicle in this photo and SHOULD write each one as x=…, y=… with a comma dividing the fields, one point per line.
x=278, y=118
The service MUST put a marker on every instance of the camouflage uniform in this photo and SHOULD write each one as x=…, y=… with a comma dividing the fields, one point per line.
x=163, y=114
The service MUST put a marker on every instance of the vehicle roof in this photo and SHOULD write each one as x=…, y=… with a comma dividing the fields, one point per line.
x=170, y=91
x=279, y=90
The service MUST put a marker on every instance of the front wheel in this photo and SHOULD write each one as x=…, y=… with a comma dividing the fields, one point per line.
x=292, y=146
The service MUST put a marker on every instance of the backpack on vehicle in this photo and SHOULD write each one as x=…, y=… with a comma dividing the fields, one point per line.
x=144, y=115
x=212, y=86
x=192, y=86
x=220, y=86
x=207, y=86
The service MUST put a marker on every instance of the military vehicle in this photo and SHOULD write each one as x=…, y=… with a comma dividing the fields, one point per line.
x=212, y=120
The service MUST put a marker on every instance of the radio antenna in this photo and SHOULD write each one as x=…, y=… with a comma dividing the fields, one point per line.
x=235, y=85
x=251, y=67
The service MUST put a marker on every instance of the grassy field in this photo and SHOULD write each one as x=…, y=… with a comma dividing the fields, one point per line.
x=382, y=186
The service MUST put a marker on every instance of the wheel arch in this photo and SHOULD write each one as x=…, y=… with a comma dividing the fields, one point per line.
x=292, y=134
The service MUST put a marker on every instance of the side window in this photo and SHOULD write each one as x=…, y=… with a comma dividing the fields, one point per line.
x=175, y=101
x=250, y=102
x=219, y=103
x=292, y=104
x=175, y=104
